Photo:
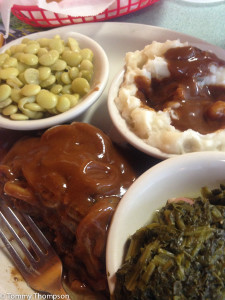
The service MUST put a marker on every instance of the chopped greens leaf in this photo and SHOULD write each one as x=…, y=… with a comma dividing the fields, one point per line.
x=180, y=255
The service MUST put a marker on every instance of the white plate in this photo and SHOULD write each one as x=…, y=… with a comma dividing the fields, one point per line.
x=116, y=39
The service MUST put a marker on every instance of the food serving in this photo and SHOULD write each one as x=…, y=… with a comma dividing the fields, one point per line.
x=46, y=85
x=182, y=175
x=172, y=97
x=100, y=32
x=180, y=254
x=43, y=77
x=70, y=181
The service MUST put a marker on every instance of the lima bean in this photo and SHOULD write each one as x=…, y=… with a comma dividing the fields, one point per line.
x=8, y=73
x=49, y=58
x=29, y=59
x=5, y=102
x=63, y=104
x=31, y=76
x=9, y=110
x=46, y=99
x=80, y=86
x=30, y=90
x=5, y=92
x=38, y=76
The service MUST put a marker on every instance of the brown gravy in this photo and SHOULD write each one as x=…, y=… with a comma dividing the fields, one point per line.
x=70, y=180
x=199, y=108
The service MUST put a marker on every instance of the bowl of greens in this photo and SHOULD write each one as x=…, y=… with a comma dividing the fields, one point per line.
x=167, y=236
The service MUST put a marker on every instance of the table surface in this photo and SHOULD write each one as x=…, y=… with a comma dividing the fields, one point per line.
x=205, y=20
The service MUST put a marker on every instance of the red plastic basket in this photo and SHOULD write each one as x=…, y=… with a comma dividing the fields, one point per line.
x=38, y=17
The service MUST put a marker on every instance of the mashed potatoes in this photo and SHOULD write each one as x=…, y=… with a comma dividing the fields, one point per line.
x=156, y=126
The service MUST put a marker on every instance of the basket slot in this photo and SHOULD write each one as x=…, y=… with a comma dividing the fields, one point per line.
x=38, y=17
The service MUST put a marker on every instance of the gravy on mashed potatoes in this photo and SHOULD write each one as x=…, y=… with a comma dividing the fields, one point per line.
x=173, y=97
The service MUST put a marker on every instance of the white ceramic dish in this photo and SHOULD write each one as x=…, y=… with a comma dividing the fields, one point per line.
x=179, y=176
x=116, y=39
x=122, y=126
x=99, y=81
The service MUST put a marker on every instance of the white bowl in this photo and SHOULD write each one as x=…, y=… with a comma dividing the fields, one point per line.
x=99, y=81
x=129, y=136
x=121, y=125
x=182, y=175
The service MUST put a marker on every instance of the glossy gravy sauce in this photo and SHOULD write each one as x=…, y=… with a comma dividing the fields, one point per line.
x=70, y=179
x=69, y=166
x=201, y=108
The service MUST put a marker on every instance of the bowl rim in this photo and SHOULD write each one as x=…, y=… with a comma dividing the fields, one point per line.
x=93, y=95
x=121, y=125
x=190, y=161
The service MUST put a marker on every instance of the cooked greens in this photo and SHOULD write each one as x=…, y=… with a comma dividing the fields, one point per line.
x=180, y=255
